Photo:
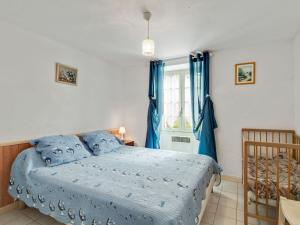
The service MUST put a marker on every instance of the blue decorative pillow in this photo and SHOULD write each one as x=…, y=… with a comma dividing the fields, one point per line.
x=100, y=142
x=57, y=150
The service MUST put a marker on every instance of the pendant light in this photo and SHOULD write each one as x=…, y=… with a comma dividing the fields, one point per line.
x=148, y=44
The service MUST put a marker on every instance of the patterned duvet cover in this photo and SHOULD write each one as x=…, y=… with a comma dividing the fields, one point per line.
x=131, y=186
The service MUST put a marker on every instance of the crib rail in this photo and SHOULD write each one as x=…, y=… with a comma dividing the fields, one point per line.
x=270, y=156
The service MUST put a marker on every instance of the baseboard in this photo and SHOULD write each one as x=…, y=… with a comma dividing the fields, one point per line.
x=12, y=206
x=232, y=178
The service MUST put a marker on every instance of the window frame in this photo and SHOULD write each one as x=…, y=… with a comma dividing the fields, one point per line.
x=182, y=72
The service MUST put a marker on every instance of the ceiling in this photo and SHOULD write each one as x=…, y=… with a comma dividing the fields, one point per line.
x=114, y=29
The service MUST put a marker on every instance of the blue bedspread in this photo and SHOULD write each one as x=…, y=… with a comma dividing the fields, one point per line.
x=132, y=186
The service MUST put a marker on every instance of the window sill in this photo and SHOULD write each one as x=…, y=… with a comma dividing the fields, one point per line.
x=176, y=131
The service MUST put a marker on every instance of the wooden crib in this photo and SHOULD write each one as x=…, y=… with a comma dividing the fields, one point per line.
x=271, y=168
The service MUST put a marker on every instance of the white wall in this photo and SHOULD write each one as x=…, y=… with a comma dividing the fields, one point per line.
x=33, y=104
x=296, y=48
x=267, y=104
x=135, y=102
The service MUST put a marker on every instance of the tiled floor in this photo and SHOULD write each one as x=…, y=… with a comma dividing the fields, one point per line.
x=225, y=207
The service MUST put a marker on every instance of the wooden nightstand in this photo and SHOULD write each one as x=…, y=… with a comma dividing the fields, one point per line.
x=129, y=142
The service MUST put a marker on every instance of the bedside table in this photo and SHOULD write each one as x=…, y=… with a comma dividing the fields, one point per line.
x=128, y=142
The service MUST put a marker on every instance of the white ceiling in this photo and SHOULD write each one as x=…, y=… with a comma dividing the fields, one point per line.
x=114, y=29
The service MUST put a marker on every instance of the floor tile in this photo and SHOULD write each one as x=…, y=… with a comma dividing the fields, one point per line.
x=224, y=221
x=32, y=213
x=20, y=220
x=229, y=195
x=9, y=216
x=208, y=218
x=226, y=212
x=240, y=215
x=33, y=223
x=211, y=207
x=240, y=205
x=214, y=198
x=45, y=220
x=230, y=187
x=228, y=203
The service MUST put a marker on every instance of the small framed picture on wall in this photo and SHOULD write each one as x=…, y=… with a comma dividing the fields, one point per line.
x=66, y=74
x=245, y=73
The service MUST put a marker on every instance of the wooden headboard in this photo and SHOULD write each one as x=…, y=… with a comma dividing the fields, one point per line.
x=8, y=153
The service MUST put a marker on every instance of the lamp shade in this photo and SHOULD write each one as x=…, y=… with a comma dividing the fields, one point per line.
x=148, y=47
x=122, y=130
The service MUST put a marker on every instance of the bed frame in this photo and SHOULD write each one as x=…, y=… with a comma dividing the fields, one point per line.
x=266, y=143
x=8, y=153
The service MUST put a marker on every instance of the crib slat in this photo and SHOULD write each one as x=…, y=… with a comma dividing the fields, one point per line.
x=272, y=146
x=277, y=178
x=256, y=179
x=267, y=183
x=246, y=154
x=260, y=146
x=289, y=174
x=279, y=138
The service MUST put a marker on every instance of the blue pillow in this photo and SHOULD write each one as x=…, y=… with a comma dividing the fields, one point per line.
x=60, y=149
x=101, y=142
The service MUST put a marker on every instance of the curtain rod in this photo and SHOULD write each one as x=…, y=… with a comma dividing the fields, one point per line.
x=184, y=57
x=176, y=58
x=194, y=53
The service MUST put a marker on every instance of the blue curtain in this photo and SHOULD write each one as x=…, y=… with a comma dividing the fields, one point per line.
x=203, y=118
x=155, y=109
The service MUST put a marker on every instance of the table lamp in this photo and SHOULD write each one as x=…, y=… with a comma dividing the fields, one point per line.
x=122, y=132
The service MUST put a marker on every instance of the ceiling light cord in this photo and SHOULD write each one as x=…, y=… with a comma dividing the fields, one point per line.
x=148, y=30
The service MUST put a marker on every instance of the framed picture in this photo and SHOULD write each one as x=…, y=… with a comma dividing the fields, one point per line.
x=245, y=73
x=66, y=74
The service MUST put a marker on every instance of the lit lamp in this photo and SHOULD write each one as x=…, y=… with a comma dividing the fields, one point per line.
x=122, y=132
x=148, y=47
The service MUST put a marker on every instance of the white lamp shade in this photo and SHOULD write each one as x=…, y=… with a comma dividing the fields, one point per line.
x=122, y=130
x=148, y=47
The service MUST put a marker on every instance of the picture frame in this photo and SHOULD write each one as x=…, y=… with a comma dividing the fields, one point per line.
x=66, y=74
x=245, y=73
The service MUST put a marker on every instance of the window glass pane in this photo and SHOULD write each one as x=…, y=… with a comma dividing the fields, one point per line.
x=171, y=100
x=187, y=102
x=174, y=93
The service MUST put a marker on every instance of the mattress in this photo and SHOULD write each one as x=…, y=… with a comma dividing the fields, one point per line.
x=132, y=186
x=271, y=191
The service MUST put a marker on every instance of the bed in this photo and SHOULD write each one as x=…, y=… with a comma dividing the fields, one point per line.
x=132, y=186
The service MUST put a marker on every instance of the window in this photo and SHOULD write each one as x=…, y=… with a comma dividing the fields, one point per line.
x=177, y=98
